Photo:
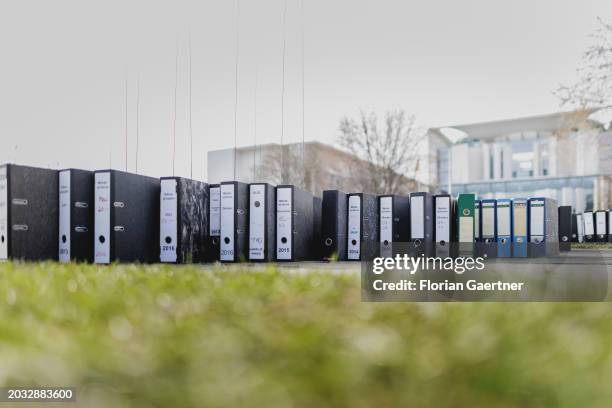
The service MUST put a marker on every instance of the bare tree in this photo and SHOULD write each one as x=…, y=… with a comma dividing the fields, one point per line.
x=387, y=157
x=593, y=87
x=294, y=163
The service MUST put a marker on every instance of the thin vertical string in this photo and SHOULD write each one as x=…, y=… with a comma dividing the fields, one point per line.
x=126, y=122
x=282, y=161
x=190, y=115
x=174, y=118
x=236, y=84
x=303, y=108
x=137, y=119
x=255, y=124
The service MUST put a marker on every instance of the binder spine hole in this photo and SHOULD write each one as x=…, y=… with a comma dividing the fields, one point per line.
x=2, y=239
x=215, y=241
x=102, y=239
x=328, y=241
x=64, y=239
x=417, y=242
x=168, y=240
x=354, y=242
x=386, y=242
x=284, y=240
x=226, y=240
x=442, y=243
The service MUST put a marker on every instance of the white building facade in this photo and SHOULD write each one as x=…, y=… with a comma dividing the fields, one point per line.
x=563, y=156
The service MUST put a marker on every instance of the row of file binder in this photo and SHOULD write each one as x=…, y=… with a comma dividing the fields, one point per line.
x=592, y=226
x=517, y=227
x=108, y=216
x=439, y=225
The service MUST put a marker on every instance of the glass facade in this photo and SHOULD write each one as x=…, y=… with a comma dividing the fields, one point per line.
x=443, y=167
x=522, y=158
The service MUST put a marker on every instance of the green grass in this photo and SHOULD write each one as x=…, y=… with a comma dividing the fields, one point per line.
x=193, y=336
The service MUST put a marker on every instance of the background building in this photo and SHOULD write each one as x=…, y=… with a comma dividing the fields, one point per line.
x=566, y=156
x=313, y=166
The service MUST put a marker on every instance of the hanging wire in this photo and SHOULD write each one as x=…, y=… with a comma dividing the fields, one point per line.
x=282, y=161
x=126, y=122
x=255, y=123
x=137, y=119
x=174, y=118
x=236, y=84
x=190, y=115
x=303, y=109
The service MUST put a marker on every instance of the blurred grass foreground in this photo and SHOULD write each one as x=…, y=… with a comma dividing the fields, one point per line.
x=217, y=336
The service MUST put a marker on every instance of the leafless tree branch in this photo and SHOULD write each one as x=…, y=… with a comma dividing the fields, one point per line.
x=388, y=159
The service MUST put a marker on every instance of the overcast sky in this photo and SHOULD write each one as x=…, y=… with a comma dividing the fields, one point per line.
x=64, y=64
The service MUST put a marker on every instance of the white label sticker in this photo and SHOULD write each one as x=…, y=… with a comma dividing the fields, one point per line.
x=64, y=216
x=477, y=221
x=228, y=212
x=215, y=211
x=589, y=228
x=386, y=220
x=466, y=225
x=443, y=219
x=257, y=221
x=3, y=213
x=102, y=217
x=417, y=217
x=488, y=220
x=600, y=222
x=354, y=227
x=520, y=218
x=536, y=223
x=386, y=226
x=284, y=229
x=503, y=218
x=168, y=220
x=580, y=227
x=609, y=222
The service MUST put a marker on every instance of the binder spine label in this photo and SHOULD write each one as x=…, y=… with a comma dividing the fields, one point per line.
x=600, y=223
x=386, y=220
x=228, y=214
x=466, y=225
x=520, y=220
x=536, y=224
x=284, y=235
x=580, y=227
x=257, y=221
x=417, y=218
x=589, y=228
x=3, y=213
x=488, y=221
x=64, y=216
x=443, y=219
x=386, y=226
x=477, y=222
x=354, y=227
x=503, y=219
x=102, y=217
x=215, y=211
x=168, y=222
